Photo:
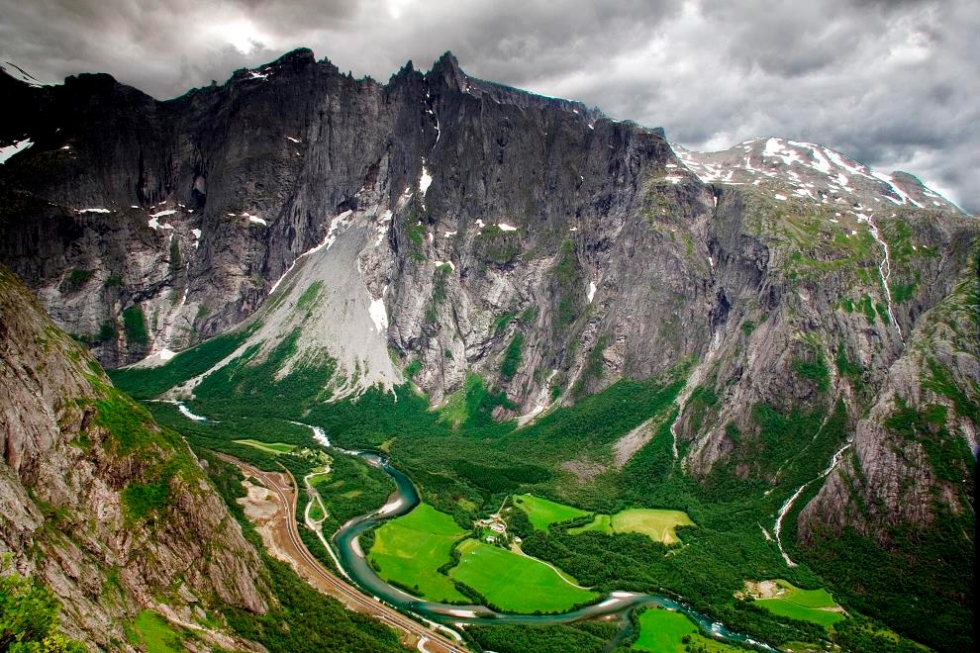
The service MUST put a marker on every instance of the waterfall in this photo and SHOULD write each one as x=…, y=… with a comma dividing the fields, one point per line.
x=884, y=269
x=788, y=505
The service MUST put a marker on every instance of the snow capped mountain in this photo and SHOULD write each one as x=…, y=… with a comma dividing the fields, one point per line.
x=808, y=171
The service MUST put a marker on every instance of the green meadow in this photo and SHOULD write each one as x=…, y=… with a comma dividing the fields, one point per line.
x=816, y=606
x=658, y=525
x=543, y=513
x=274, y=448
x=516, y=583
x=410, y=550
x=664, y=631
x=153, y=633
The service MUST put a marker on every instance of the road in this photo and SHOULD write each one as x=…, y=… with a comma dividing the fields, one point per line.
x=285, y=532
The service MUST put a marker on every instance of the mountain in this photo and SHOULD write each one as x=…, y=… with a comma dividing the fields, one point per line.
x=111, y=512
x=440, y=228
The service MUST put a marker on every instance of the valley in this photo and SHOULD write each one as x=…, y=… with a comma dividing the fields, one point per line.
x=430, y=554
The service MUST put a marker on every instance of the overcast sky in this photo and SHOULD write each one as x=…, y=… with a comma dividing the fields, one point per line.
x=892, y=83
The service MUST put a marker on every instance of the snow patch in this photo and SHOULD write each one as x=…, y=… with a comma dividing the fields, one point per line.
x=10, y=150
x=775, y=149
x=167, y=354
x=254, y=219
x=591, y=293
x=506, y=227
x=340, y=222
x=820, y=162
x=161, y=214
x=888, y=179
x=379, y=315
x=94, y=211
x=425, y=180
x=294, y=140
x=839, y=161
x=780, y=197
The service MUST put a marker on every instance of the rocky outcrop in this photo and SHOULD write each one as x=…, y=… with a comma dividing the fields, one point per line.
x=112, y=513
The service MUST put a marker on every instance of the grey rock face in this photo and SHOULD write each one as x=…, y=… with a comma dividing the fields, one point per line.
x=64, y=471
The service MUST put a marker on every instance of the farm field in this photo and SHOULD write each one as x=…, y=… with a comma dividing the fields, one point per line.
x=274, y=448
x=515, y=583
x=816, y=606
x=658, y=525
x=543, y=513
x=663, y=631
x=410, y=550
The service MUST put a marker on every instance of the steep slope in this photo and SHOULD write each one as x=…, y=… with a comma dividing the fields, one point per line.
x=98, y=503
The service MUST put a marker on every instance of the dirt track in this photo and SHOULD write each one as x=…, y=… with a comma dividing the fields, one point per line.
x=282, y=530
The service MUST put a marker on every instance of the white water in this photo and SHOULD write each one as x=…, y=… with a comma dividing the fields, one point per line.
x=788, y=505
x=884, y=269
x=186, y=412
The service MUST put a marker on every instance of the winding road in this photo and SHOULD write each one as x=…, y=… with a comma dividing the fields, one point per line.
x=285, y=532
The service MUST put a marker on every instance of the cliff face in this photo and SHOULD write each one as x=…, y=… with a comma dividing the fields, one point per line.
x=467, y=227
x=98, y=503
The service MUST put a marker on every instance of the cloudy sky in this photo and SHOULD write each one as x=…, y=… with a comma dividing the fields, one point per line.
x=892, y=83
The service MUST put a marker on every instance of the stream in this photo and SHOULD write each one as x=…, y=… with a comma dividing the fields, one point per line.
x=404, y=499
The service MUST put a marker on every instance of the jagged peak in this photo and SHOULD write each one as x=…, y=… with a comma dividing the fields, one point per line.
x=446, y=68
x=447, y=61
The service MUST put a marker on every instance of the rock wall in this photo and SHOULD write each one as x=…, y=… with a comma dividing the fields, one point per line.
x=78, y=461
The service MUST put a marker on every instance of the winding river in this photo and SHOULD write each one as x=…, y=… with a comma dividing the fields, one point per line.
x=404, y=499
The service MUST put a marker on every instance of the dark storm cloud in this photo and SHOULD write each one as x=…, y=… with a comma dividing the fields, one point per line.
x=891, y=83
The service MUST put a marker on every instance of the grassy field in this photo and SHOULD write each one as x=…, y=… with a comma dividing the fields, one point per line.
x=816, y=606
x=319, y=478
x=154, y=633
x=274, y=448
x=410, y=549
x=663, y=631
x=543, y=513
x=515, y=583
x=316, y=511
x=658, y=525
